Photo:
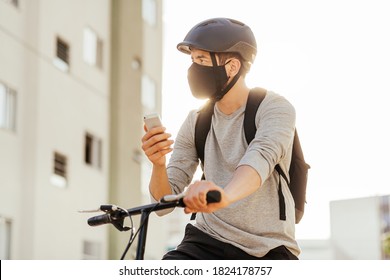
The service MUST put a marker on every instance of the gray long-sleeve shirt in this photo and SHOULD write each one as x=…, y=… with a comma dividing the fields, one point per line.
x=251, y=224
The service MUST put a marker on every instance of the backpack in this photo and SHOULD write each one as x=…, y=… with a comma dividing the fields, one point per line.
x=298, y=170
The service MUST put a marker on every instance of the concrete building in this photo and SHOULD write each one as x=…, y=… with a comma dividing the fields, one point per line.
x=76, y=77
x=360, y=228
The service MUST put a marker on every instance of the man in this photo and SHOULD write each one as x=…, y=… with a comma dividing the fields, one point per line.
x=245, y=224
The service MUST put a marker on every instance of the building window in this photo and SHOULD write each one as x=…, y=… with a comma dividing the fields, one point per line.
x=149, y=12
x=5, y=238
x=59, y=176
x=14, y=3
x=93, y=151
x=148, y=93
x=62, y=58
x=92, y=250
x=93, y=48
x=7, y=108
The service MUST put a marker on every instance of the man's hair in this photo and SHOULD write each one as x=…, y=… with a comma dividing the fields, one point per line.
x=225, y=56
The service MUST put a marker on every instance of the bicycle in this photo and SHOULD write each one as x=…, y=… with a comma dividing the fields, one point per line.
x=116, y=215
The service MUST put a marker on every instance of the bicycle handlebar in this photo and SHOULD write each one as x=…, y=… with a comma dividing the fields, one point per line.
x=99, y=220
x=118, y=215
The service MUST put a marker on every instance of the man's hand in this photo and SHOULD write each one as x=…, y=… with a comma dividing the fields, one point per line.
x=195, y=198
x=156, y=144
x=245, y=181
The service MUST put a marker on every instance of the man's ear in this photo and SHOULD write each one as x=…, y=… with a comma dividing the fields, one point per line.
x=234, y=67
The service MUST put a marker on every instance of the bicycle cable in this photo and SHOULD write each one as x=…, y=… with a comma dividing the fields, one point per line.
x=131, y=222
x=133, y=236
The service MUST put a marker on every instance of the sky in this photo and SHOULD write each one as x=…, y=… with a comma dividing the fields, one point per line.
x=331, y=60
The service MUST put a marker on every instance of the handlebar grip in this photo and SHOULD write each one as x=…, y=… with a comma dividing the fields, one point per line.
x=213, y=196
x=99, y=220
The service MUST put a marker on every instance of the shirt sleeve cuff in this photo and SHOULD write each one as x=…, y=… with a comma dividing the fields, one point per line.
x=255, y=160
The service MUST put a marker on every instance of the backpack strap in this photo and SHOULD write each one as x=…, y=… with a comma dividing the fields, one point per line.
x=202, y=128
x=282, y=203
x=281, y=172
x=255, y=98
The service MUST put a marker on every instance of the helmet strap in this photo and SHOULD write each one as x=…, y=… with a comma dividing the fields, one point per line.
x=220, y=90
x=216, y=74
x=229, y=86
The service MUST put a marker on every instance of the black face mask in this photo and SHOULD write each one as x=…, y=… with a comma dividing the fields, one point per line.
x=207, y=81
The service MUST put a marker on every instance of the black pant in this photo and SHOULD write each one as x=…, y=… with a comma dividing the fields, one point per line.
x=198, y=245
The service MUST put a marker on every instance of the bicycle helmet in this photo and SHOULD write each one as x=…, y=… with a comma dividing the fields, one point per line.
x=221, y=35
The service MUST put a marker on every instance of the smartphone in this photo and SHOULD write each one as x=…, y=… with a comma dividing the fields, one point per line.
x=152, y=120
